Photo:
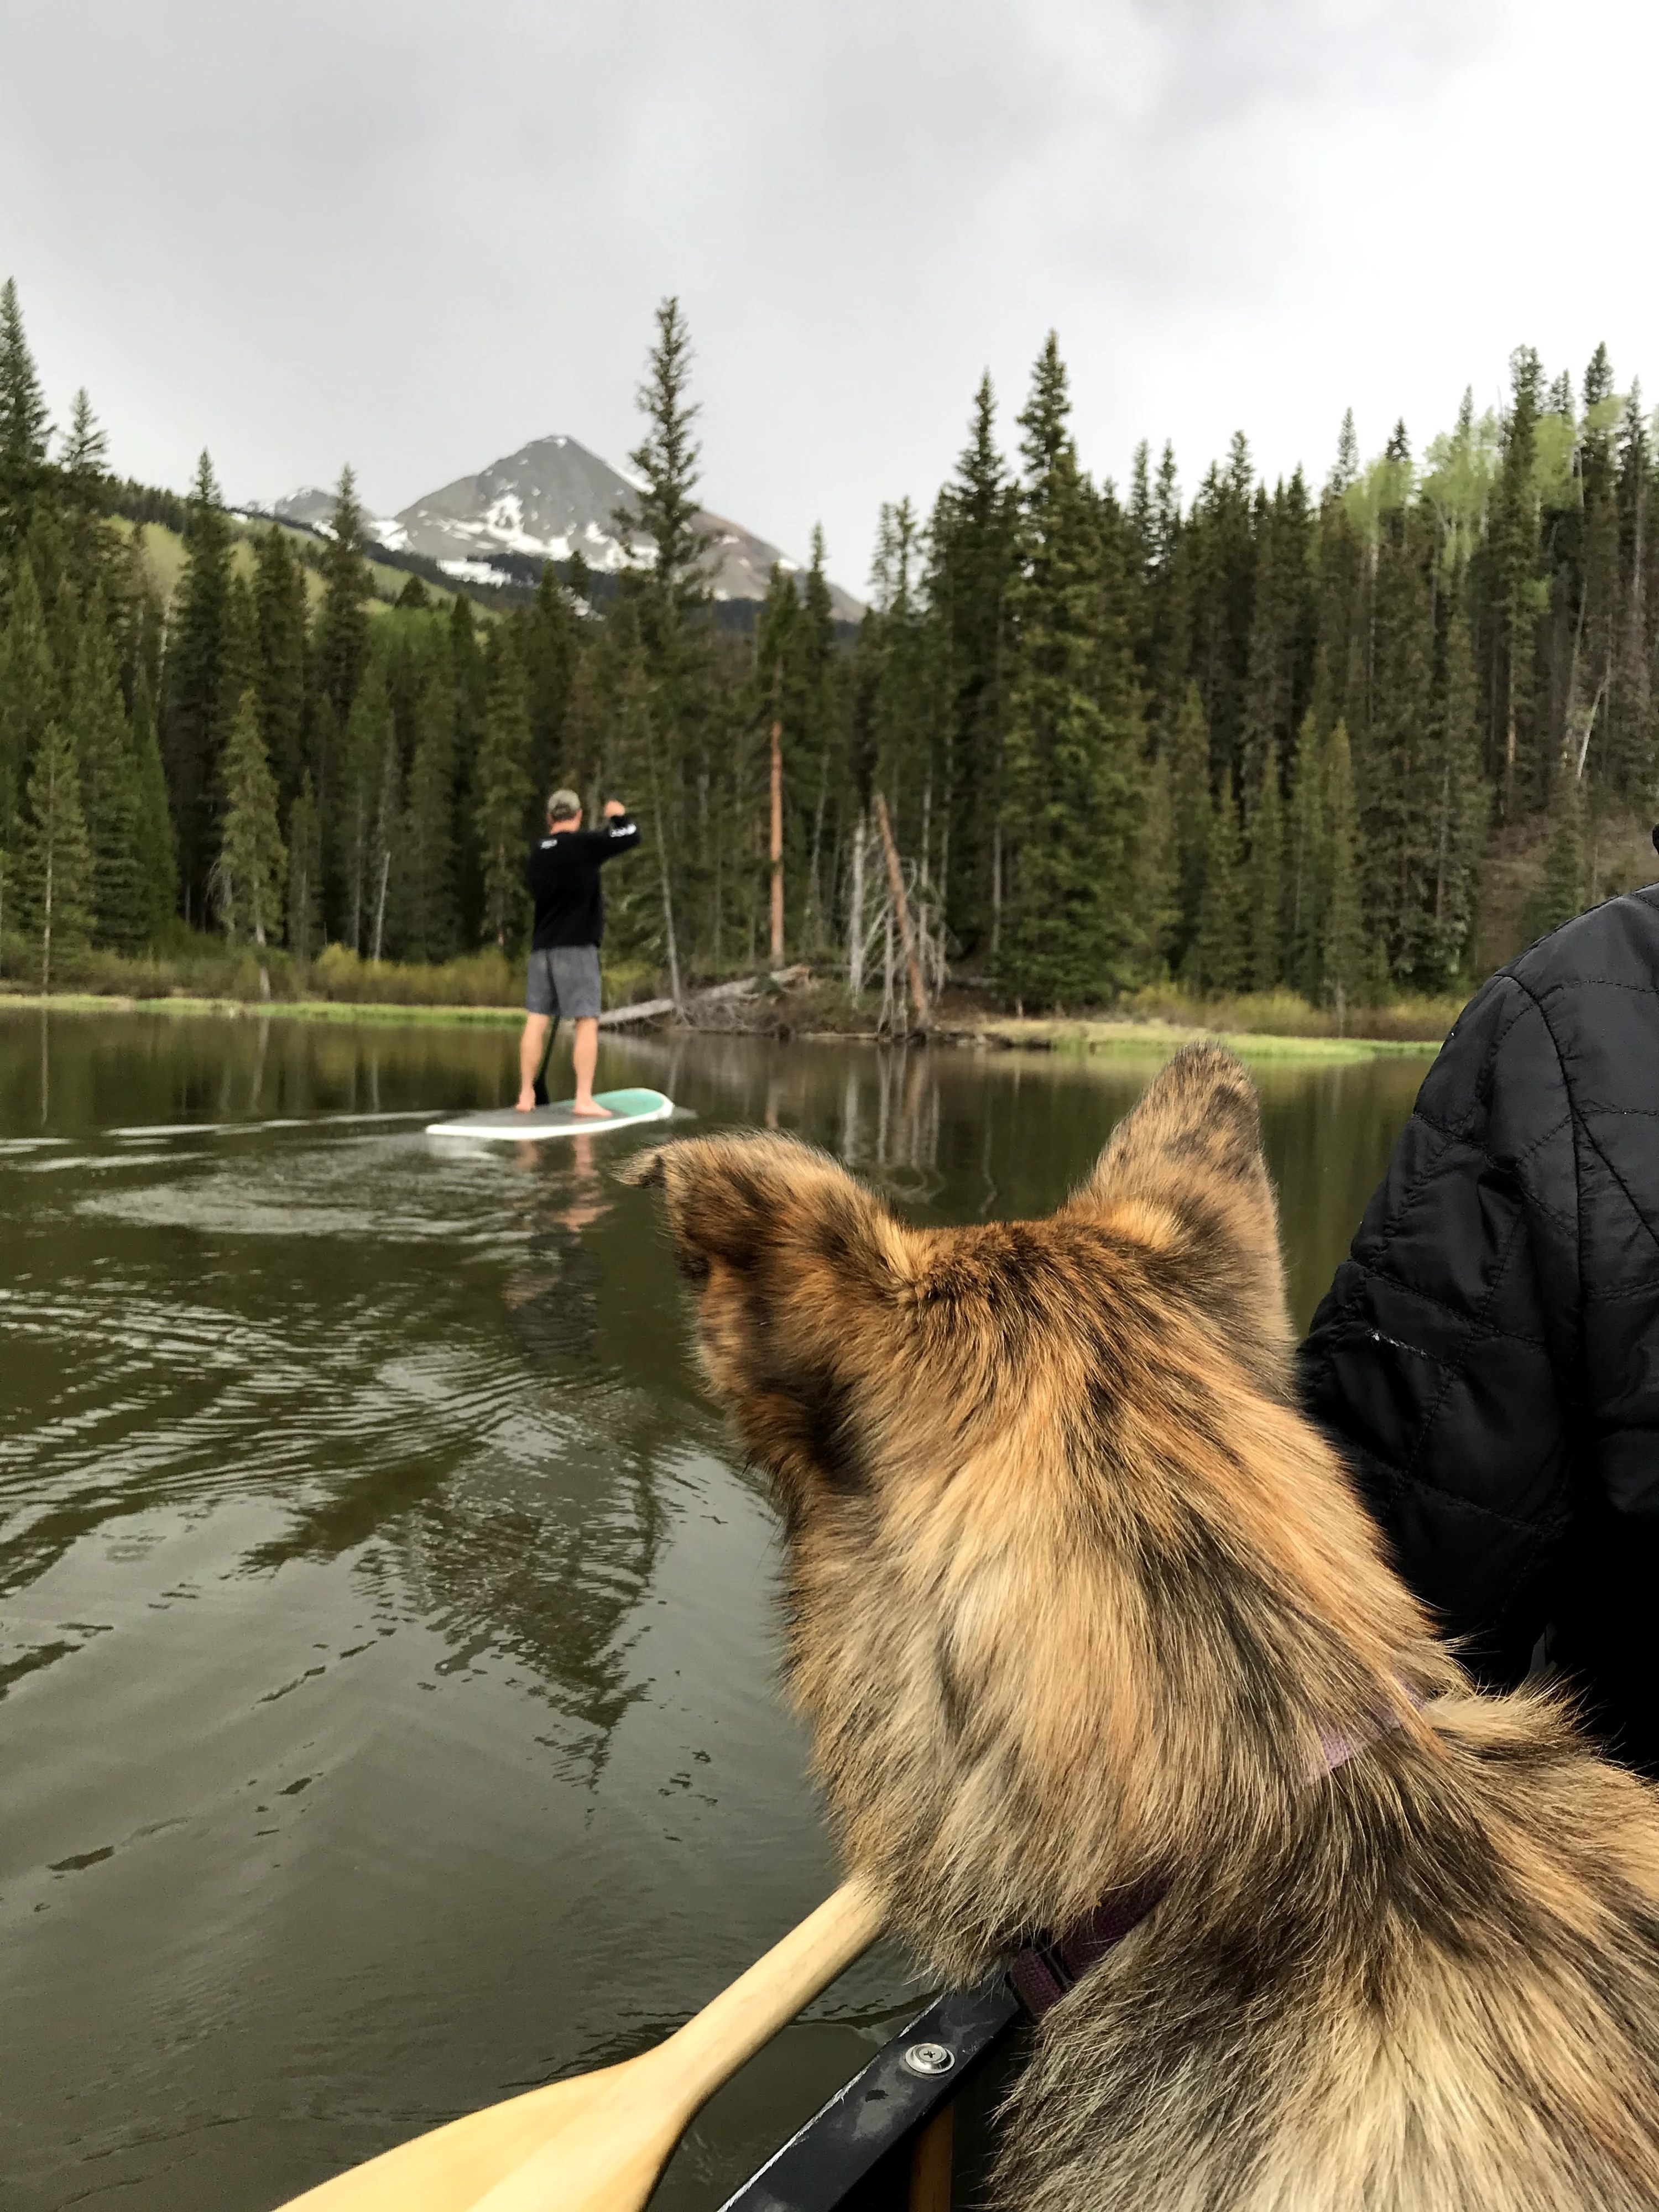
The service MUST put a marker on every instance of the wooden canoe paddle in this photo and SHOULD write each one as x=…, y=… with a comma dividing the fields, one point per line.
x=598, y=2143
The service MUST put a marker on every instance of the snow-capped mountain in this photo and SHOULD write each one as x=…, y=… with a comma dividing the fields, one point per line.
x=550, y=500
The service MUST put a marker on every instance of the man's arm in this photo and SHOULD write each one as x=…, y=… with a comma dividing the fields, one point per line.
x=621, y=831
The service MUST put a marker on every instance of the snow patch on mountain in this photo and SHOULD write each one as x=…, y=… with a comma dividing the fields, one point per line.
x=547, y=501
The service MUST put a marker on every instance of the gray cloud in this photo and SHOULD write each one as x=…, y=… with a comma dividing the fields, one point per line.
x=417, y=235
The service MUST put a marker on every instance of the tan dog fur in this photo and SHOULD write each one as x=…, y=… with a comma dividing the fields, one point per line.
x=1077, y=1597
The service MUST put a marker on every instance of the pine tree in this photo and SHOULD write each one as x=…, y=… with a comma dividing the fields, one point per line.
x=548, y=641
x=361, y=776
x=1075, y=739
x=1215, y=958
x=1564, y=889
x=198, y=698
x=1344, y=963
x=305, y=874
x=428, y=835
x=502, y=795
x=815, y=747
x=340, y=644
x=109, y=788
x=667, y=459
x=676, y=660
x=158, y=856
x=1307, y=865
x=28, y=698
x=1190, y=814
x=468, y=681
x=970, y=573
x=25, y=427
x=251, y=872
x=1265, y=887
x=385, y=893
x=279, y=605
x=57, y=858
x=1518, y=590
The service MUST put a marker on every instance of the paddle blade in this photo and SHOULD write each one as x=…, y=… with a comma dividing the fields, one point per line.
x=601, y=2123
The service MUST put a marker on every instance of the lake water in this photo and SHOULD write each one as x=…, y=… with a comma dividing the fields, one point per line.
x=388, y=1716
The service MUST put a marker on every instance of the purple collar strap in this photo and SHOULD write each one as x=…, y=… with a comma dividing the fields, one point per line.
x=1043, y=1971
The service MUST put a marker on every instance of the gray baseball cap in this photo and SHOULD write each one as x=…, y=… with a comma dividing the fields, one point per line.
x=562, y=803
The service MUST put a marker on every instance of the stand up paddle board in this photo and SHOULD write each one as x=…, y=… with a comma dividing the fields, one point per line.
x=625, y=1110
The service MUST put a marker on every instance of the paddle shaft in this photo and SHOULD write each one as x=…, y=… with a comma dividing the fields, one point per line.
x=547, y=1054
x=598, y=2143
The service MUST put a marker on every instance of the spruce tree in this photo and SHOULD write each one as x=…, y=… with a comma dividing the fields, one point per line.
x=970, y=569
x=502, y=796
x=468, y=678
x=1190, y=813
x=158, y=856
x=109, y=788
x=1563, y=888
x=1216, y=956
x=1265, y=887
x=1344, y=964
x=29, y=696
x=1518, y=590
x=57, y=858
x=279, y=605
x=666, y=461
x=548, y=640
x=340, y=643
x=305, y=874
x=25, y=427
x=1074, y=729
x=199, y=697
x=430, y=927
x=362, y=774
x=1307, y=865
x=251, y=872
x=817, y=748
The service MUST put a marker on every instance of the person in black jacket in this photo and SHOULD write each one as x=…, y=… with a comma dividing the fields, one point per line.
x=1488, y=1354
x=564, y=873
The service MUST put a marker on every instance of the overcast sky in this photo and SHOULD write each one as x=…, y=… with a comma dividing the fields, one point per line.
x=415, y=236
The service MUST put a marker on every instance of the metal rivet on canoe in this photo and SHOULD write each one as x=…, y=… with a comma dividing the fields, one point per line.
x=929, y=2059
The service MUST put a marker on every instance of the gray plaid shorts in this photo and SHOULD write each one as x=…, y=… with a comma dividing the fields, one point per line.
x=564, y=979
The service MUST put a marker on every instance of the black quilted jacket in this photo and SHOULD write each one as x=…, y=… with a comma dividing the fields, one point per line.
x=1488, y=1354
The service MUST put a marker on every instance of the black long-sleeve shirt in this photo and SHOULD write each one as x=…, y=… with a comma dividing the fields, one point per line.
x=1488, y=1356
x=564, y=873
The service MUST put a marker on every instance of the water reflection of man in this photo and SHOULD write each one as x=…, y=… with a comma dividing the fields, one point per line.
x=564, y=946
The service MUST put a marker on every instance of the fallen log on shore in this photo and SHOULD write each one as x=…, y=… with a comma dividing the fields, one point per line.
x=650, y=1010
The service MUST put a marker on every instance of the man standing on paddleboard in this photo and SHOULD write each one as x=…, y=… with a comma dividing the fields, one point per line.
x=564, y=946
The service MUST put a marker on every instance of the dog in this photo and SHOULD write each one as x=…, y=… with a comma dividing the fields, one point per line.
x=1079, y=1606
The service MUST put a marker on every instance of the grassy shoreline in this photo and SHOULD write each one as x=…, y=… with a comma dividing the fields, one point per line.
x=1079, y=1038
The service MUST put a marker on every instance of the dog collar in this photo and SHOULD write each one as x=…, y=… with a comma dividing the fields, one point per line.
x=1044, y=1970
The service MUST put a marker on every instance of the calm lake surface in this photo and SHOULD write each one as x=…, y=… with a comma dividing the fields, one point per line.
x=388, y=1706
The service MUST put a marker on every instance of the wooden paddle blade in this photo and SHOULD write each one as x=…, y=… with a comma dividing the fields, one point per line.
x=598, y=2143
x=449, y=2169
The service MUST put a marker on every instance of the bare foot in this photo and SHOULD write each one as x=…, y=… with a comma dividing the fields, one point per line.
x=527, y=1102
x=591, y=1113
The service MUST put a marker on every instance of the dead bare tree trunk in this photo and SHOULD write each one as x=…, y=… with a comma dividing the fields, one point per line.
x=855, y=944
x=895, y=880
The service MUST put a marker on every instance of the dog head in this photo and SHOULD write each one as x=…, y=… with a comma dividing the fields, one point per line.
x=848, y=1342
x=1061, y=1555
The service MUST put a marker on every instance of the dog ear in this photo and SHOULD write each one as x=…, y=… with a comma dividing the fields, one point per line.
x=765, y=1204
x=1184, y=1172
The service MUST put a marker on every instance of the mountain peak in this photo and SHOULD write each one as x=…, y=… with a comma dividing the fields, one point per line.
x=550, y=500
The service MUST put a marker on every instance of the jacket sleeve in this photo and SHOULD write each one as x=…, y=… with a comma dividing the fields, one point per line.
x=1444, y=1359
x=620, y=834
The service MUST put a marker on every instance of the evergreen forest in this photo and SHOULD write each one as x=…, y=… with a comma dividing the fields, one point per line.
x=1354, y=739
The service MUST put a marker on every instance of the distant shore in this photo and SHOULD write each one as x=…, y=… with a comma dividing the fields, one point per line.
x=1121, y=1035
